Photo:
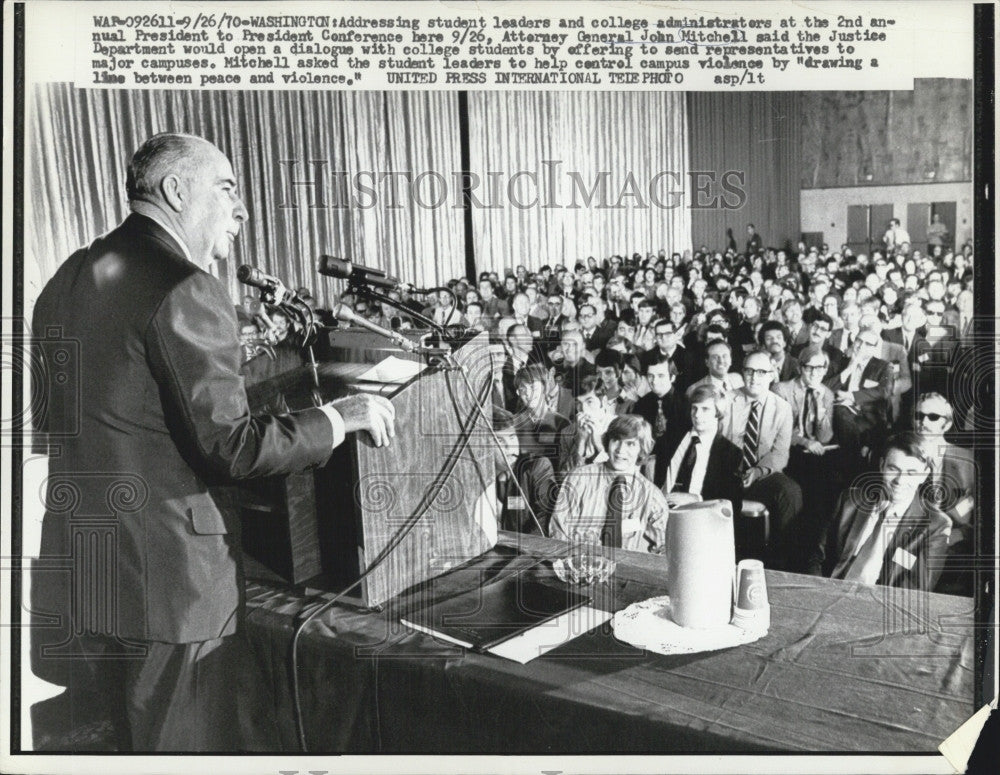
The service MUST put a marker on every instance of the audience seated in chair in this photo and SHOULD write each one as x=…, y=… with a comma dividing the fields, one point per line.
x=610, y=502
x=759, y=422
x=702, y=464
x=882, y=531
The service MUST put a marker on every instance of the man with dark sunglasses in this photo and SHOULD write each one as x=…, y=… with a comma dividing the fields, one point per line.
x=951, y=486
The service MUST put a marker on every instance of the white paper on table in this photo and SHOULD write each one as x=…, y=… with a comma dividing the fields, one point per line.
x=393, y=370
x=549, y=635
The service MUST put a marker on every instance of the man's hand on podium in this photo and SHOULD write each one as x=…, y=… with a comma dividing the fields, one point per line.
x=365, y=412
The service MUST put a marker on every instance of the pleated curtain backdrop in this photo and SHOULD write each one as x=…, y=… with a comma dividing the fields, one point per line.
x=618, y=145
x=760, y=135
x=80, y=141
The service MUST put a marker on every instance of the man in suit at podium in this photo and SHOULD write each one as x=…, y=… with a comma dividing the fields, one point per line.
x=162, y=414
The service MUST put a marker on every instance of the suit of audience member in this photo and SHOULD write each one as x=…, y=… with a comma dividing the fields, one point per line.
x=746, y=330
x=850, y=317
x=935, y=361
x=520, y=307
x=810, y=464
x=773, y=337
x=571, y=361
x=493, y=306
x=609, y=364
x=796, y=327
x=645, y=338
x=595, y=329
x=764, y=459
x=580, y=441
x=951, y=487
x=444, y=312
x=610, y=502
x=820, y=328
x=527, y=498
x=890, y=536
x=663, y=407
x=861, y=399
x=702, y=464
x=719, y=360
x=668, y=346
x=895, y=355
x=520, y=352
x=538, y=425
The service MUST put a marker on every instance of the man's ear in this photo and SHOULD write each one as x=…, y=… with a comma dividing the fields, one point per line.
x=174, y=192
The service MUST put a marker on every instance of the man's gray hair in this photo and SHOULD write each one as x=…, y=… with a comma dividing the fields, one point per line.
x=157, y=157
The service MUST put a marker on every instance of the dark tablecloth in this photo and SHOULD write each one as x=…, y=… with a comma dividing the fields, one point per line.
x=844, y=667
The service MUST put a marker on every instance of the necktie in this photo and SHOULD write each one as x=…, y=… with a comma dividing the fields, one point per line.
x=810, y=419
x=867, y=555
x=660, y=426
x=751, y=436
x=611, y=534
x=682, y=483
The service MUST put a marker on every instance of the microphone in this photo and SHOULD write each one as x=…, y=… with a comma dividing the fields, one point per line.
x=358, y=273
x=251, y=275
x=347, y=315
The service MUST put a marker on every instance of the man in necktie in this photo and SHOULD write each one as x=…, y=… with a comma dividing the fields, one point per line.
x=951, y=487
x=611, y=502
x=889, y=535
x=760, y=423
x=861, y=400
x=812, y=461
x=719, y=359
x=703, y=464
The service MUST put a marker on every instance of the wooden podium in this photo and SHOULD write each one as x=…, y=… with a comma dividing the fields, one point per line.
x=423, y=504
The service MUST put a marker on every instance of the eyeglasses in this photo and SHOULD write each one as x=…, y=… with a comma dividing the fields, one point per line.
x=934, y=313
x=757, y=373
x=814, y=367
x=822, y=329
x=932, y=416
x=661, y=334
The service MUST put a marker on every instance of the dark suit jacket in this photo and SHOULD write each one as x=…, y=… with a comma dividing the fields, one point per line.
x=872, y=402
x=922, y=533
x=161, y=414
x=794, y=393
x=956, y=495
x=722, y=479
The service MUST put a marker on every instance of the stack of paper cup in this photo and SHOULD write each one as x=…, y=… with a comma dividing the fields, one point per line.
x=752, y=611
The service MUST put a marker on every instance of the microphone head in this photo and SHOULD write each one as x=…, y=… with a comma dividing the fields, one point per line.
x=245, y=273
x=335, y=267
x=342, y=312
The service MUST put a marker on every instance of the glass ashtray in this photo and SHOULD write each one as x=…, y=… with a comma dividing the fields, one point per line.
x=584, y=568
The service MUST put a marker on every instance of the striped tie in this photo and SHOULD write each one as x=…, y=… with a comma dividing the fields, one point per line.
x=751, y=436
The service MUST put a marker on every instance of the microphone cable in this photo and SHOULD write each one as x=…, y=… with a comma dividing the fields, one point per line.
x=429, y=497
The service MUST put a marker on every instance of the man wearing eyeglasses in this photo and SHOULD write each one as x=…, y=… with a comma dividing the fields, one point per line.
x=811, y=456
x=891, y=537
x=667, y=344
x=819, y=335
x=951, y=485
x=759, y=422
x=861, y=399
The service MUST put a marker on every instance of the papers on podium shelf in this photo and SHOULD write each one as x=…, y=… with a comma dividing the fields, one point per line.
x=513, y=608
x=392, y=370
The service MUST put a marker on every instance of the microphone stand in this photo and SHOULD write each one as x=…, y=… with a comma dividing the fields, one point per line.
x=437, y=356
